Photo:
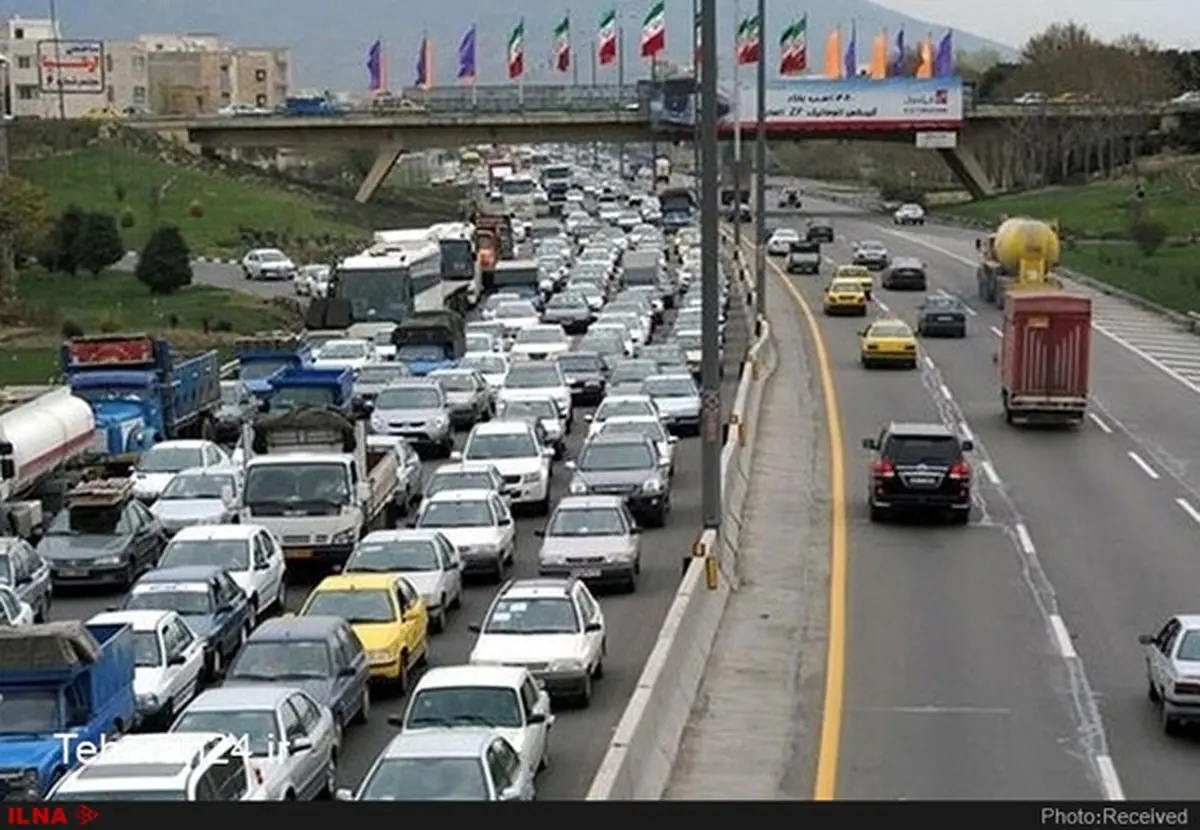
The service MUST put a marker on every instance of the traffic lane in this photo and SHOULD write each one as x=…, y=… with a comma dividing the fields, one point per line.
x=221, y=275
x=948, y=653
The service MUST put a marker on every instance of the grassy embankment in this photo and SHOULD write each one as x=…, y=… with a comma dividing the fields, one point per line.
x=1095, y=221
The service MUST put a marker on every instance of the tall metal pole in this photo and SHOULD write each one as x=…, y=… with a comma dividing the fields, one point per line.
x=737, y=139
x=710, y=368
x=8, y=266
x=696, y=61
x=62, y=100
x=621, y=93
x=593, y=47
x=653, y=135
x=760, y=174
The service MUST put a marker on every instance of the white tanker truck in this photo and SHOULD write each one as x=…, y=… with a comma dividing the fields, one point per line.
x=43, y=429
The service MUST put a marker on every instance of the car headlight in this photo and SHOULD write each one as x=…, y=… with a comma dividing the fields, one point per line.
x=531, y=478
x=440, y=421
x=652, y=486
x=147, y=701
x=377, y=422
x=344, y=537
x=578, y=488
x=380, y=655
x=566, y=665
x=109, y=560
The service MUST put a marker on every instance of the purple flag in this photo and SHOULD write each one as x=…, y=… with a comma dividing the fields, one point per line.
x=899, y=65
x=424, y=69
x=943, y=61
x=466, y=56
x=851, y=67
x=375, y=67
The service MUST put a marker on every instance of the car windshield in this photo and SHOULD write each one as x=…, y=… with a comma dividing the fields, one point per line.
x=496, y=300
x=171, y=459
x=147, y=651
x=393, y=555
x=460, y=513
x=1189, y=646
x=845, y=287
x=492, y=706
x=485, y=447
x=510, y=311
x=459, y=480
x=231, y=554
x=232, y=393
x=197, y=486
x=889, y=330
x=690, y=340
x=381, y=374
x=342, y=351
x=271, y=256
x=255, y=728
x=529, y=409
x=354, y=606
x=613, y=408
x=871, y=245
x=632, y=372
x=90, y=521
x=485, y=364
x=456, y=381
x=942, y=304
x=420, y=351
x=574, y=299
x=540, y=335
x=290, y=659
x=533, y=377
x=29, y=712
x=922, y=450
x=580, y=363
x=651, y=430
x=427, y=779
x=410, y=398
x=622, y=455
x=670, y=387
x=533, y=615
x=193, y=600
x=602, y=343
x=587, y=521
x=479, y=342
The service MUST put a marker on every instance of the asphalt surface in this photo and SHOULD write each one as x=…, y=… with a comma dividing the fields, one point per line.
x=225, y=276
x=1000, y=660
x=579, y=738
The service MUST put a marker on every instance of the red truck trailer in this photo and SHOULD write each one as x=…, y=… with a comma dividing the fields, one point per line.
x=1046, y=357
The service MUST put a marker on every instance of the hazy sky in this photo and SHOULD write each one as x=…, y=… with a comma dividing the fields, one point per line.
x=1168, y=22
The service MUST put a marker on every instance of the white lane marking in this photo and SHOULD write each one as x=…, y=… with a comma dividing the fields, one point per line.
x=945, y=390
x=965, y=431
x=990, y=472
x=1146, y=468
x=1186, y=507
x=929, y=361
x=995, y=331
x=1062, y=637
x=1100, y=423
x=1024, y=539
x=1109, y=780
x=935, y=710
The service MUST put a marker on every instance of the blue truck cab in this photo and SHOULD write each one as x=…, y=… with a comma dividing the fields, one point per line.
x=430, y=340
x=304, y=387
x=66, y=689
x=262, y=358
x=310, y=105
x=140, y=392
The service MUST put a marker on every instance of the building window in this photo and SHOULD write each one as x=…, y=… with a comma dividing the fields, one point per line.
x=260, y=75
x=27, y=92
x=226, y=97
x=139, y=63
x=108, y=63
x=18, y=34
x=139, y=95
x=260, y=100
x=24, y=62
x=111, y=94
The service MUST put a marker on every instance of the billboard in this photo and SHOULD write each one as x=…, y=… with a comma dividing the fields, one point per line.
x=71, y=66
x=813, y=105
x=674, y=104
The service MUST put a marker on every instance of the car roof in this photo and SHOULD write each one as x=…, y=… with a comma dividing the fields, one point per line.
x=474, y=494
x=671, y=376
x=446, y=677
x=1188, y=621
x=400, y=534
x=908, y=262
x=181, y=573
x=248, y=696
x=465, y=467
x=314, y=627
x=916, y=429
x=501, y=427
x=637, y=397
x=206, y=472
x=195, y=533
x=889, y=321
x=139, y=620
x=451, y=742
x=603, y=437
x=182, y=444
x=588, y=502
x=356, y=582
x=537, y=587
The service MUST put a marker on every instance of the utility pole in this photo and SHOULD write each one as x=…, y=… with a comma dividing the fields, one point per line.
x=760, y=168
x=593, y=47
x=655, y=94
x=62, y=100
x=710, y=239
x=695, y=96
x=737, y=138
x=621, y=90
x=8, y=266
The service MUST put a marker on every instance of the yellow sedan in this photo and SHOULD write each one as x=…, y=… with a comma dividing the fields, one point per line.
x=845, y=297
x=860, y=274
x=888, y=343
x=386, y=612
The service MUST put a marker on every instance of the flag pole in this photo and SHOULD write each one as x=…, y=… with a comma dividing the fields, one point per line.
x=620, y=88
x=737, y=137
x=696, y=60
x=653, y=133
x=760, y=181
x=474, y=79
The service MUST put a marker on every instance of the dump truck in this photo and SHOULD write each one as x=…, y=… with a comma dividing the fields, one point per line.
x=261, y=357
x=494, y=242
x=1022, y=254
x=305, y=386
x=430, y=340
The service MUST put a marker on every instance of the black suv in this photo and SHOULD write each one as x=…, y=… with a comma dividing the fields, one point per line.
x=819, y=230
x=905, y=273
x=919, y=468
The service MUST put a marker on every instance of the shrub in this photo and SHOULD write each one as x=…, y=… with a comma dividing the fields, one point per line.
x=128, y=218
x=64, y=243
x=119, y=192
x=222, y=325
x=1148, y=234
x=100, y=243
x=111, y=324
x=71, y=329
x=195, y=209
x=165, y=265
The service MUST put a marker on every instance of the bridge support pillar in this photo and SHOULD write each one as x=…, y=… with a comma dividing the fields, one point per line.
x=385, y=160
x=966, y=168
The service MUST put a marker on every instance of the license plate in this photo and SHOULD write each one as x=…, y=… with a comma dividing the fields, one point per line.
x=946, y=318
x=587, y=573
x=298, y=553
x=73, y=571
x=922, y=481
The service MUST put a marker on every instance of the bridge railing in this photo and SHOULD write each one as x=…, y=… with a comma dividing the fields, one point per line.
x=511, y=98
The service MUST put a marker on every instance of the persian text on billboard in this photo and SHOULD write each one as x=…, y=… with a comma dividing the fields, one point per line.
x=866, y=104
x=71, y=66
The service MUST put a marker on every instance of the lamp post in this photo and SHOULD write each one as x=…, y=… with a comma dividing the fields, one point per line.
x=710, y=369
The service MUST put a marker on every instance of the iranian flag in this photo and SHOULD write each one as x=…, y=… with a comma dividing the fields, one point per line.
x=606, y=42
x=516, y=52
x=654, y=30
x=749, y=40
x=562, y=45
x=793, y=48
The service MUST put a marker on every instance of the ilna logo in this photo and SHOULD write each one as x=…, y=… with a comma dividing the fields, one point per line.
x=78, y=816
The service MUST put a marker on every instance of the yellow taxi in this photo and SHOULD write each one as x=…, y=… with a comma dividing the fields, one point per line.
x=860, y=274
x=103, y=114
x=385, y=611
x=845, y=296
x=888, y=342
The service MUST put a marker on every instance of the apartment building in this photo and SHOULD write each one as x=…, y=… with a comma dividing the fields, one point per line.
x=194, y=74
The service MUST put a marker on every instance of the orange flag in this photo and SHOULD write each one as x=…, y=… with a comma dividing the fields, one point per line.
x=833, y=54
x=925, y=59
x=879, y=55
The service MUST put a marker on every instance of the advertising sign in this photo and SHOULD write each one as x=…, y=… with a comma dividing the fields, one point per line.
x=674, y=104
x=808, y=105
x=937, y=141
x=71, y=66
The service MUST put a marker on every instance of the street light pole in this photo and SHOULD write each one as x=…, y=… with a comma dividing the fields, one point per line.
x=760, y=166
x=710, y=370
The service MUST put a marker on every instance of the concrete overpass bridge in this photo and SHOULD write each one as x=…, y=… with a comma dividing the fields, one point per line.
x=980, y=154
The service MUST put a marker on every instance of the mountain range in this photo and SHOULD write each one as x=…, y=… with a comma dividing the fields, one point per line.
x=329, y=41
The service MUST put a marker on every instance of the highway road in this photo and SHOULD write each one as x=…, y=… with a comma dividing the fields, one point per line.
x=1000, y=660
x=580, y=737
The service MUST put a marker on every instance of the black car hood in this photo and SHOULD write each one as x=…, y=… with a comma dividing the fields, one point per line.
x=81, y=547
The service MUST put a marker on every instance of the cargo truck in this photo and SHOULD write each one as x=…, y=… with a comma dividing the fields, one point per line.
x=264, y=356
x=430, y=340
x=141, y=393
x=305, y=387
x=1045, y=357
x=1022, y=253
x=312, y=479
x=66, y=688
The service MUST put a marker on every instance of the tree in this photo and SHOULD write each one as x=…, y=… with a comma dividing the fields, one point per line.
x=165, y=265
x=63, y=249
x=24, y=222
x=100, y=243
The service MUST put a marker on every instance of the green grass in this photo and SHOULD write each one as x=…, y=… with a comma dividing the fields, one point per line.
x=93, y=178
x=1170, y=278
x=20, y=366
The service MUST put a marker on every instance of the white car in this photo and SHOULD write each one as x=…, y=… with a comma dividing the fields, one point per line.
x=168, y=662
x=249, y=553
x=198, y=497
x=621, y=406
x=617, y=329
x=517, y=315
x=514, y=449
x=352, y=353
x=492, y=366
x=506, y=698
x=543, y=378
x=649, y=427
x=164, y=460
x=610, y=212
x=14, y=611
x=780, y=243
x=909, y=214
x=482, y=342
x=427, y=558
x=540, y=342
x=554, y=627
x=577, y=220
x=539, y=408
x=268, y=264
x=479, y=525
x=488, y=312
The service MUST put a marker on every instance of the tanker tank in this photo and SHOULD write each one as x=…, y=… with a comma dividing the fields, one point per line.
x=1021, y=254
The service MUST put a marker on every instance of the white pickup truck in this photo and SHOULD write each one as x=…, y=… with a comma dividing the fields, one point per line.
x=313, y=479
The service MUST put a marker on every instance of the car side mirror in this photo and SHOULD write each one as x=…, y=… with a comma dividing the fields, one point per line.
x=535, y=718
x=870, y=444
x=587, y=419
x=1146, y=639
x=347, y=671
x=475, y=628
x=452, y=566
x=300, y=744
x=968, y=446
x=176, y=660
x=862, y=332
x=635, y=530
x=344, y=794
x=456, y=456
x=506, y=521
x=593, y=627
x=570, y=465
x=510, y=794
x=978, y=244
x=264, y=405
x=363, y=491
x=540, y=533
x=547, y=452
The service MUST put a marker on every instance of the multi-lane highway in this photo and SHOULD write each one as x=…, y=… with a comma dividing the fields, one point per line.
x=580, y=737
x=1001, y=660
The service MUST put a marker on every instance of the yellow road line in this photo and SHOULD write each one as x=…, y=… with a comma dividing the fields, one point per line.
x=825, y=785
